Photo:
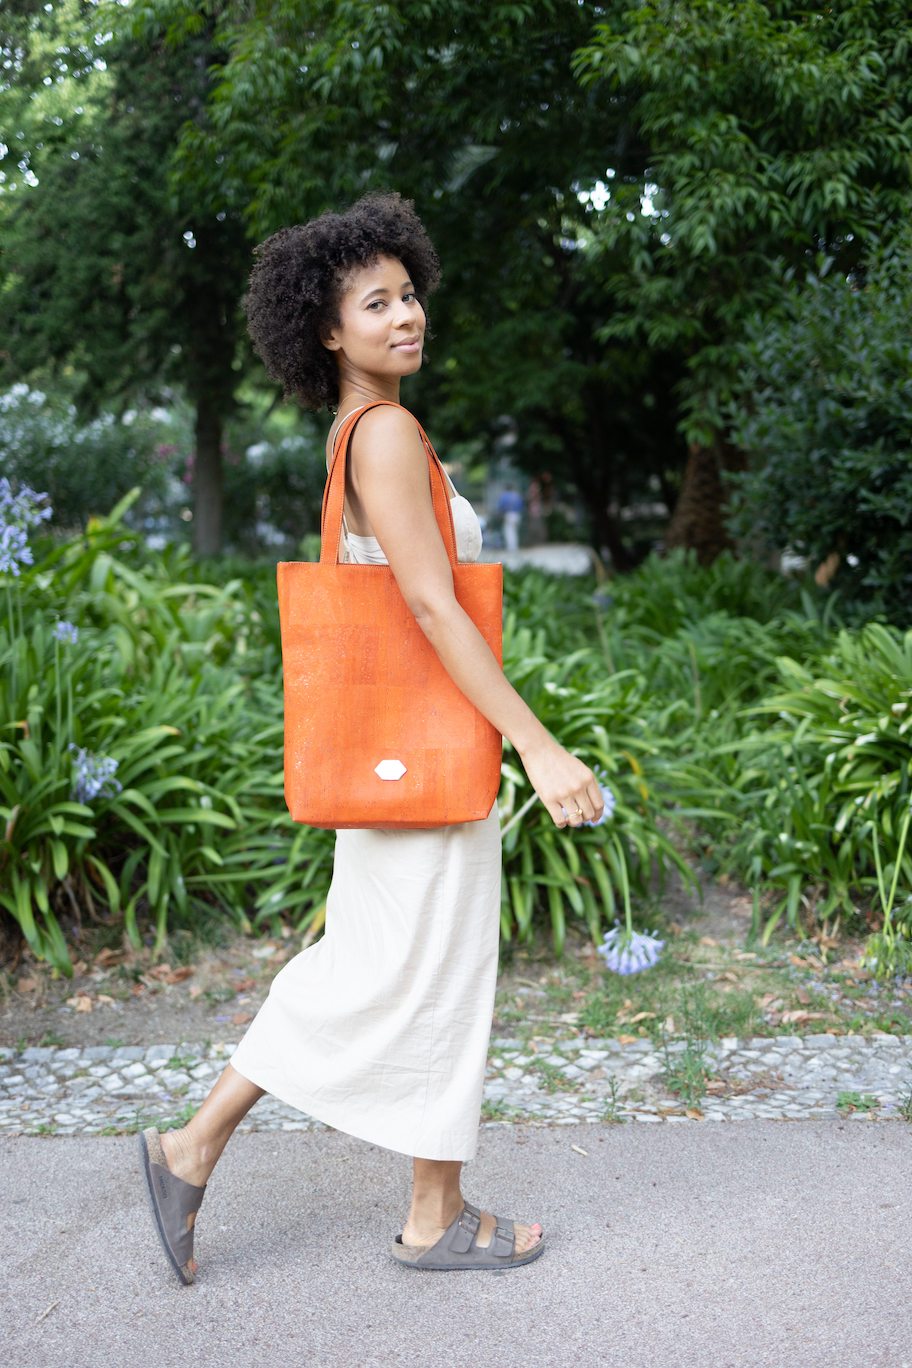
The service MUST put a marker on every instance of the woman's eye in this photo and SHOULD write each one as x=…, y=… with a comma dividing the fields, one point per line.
x=377, y=304
x=409, y=297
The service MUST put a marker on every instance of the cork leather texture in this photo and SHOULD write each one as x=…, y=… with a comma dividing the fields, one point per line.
x=363, y=685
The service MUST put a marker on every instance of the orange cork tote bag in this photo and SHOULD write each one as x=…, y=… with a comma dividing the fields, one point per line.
x=376, y=732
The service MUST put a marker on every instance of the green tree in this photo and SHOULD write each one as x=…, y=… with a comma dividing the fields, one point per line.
x=475, y=113
x=110, y=269
x=824, y=405
x=767, y=137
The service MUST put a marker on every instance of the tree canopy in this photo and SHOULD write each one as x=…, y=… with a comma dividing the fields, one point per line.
x=824, y=399
x=616, y=191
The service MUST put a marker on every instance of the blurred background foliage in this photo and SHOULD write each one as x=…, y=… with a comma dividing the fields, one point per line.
x=676, y=277
x=618, y=194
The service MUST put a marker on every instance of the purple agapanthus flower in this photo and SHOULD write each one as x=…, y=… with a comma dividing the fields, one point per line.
x=93, y=775
x=67, y=632
x=18, y=514
x=629, y=952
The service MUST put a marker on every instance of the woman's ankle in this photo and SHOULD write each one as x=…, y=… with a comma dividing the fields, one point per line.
x=190, y=1158
x=434, y=1210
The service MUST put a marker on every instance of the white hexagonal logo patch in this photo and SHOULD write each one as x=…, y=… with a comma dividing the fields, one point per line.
x=389, y=769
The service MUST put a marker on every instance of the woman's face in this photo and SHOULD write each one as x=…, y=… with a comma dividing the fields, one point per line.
x=380, y=334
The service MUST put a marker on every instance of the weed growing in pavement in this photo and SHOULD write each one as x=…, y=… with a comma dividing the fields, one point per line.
x=552, y=1078
x=905, y=1105
x=687, y=1072
x=611, y=1113
x=140, y=1120
x=857, y=1102
x=494, y=1110
x=179, y=1061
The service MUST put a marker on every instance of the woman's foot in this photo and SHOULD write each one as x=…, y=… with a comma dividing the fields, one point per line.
x=424, y=1235
x=174, y=1204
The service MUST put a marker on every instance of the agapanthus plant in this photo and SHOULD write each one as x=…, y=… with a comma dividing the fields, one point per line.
x=93, y=775
x=19, y=513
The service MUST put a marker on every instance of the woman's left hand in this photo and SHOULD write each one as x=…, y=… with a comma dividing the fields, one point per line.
x=567, y=787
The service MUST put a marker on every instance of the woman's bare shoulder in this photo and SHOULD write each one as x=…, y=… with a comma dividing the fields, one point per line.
x=386, y=436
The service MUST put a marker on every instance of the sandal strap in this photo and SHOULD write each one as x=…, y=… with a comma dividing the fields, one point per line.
x=462, y=1235
x=503, y=1241
x=178, y=1202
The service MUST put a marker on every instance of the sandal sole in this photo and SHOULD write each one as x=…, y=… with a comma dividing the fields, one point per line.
x=479, y=1266
x=150, y=1194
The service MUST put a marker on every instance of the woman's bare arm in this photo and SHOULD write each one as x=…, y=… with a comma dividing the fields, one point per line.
x=389, y=492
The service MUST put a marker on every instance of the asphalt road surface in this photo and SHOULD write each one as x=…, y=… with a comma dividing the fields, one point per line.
x=757, y=1243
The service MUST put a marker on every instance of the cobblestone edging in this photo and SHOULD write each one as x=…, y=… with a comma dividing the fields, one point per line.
x=102, y=1089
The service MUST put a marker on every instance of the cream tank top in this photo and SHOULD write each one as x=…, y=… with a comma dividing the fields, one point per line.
x=360, y=550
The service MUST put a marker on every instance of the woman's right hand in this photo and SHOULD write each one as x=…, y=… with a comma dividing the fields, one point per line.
x=567, y=787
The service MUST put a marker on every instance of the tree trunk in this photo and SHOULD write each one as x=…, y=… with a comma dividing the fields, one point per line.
x=698, y=519
x=207, y=479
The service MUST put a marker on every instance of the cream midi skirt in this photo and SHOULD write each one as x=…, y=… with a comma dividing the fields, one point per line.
x=381, y=1028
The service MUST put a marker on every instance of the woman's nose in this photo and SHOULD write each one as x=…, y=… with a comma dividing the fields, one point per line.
x=407, y=316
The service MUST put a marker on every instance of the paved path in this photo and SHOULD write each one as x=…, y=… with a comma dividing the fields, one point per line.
x=101, y=1089
x=761, y=1245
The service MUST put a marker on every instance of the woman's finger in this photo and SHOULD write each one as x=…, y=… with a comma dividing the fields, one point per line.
x=575, y=812
x=597, y=799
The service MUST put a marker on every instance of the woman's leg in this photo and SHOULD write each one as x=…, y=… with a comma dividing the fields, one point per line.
x=193, y=1151
x=437, y=1201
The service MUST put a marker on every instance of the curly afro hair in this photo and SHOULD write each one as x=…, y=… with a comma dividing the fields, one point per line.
x=299, y=276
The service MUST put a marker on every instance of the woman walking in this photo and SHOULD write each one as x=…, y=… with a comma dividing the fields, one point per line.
x=381, y=1028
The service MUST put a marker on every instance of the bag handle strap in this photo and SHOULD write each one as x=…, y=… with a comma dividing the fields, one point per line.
x=334, y=492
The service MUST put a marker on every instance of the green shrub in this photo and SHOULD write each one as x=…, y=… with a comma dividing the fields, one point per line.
x=822, y=788
x=173, y=683
x=824, y=407
x=716, y=703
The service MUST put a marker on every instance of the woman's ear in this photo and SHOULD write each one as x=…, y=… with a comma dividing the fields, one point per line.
x=330, y=341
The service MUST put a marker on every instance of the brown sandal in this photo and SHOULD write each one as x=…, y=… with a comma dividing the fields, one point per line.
x=174, y=1204
x=458, y=1246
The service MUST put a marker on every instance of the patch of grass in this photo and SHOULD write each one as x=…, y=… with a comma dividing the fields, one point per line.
x=905, y=1106
x=51, y=1038
x=216, y=996
x=114, y=1043
x=553, y=1079
x=895, y=1023
x=495, y=1110
x=559, y=996
x=179, y=1061
x=857, y=1102
x=140, y=1120
x=211, y=930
